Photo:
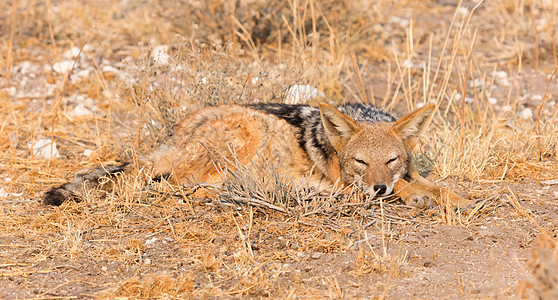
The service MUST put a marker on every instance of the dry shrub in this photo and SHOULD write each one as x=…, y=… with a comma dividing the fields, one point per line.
x=543, y=264
x=161, y=285
x=368, y=262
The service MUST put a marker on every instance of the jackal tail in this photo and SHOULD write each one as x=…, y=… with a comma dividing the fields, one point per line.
x=89, y=179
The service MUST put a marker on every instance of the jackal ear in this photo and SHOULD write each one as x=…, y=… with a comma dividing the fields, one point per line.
x=409, y=127
x=338, y=126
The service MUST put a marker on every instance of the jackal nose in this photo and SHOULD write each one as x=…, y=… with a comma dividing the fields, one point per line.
x=380, y=189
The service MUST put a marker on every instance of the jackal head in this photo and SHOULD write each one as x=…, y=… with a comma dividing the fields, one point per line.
x=373, y=156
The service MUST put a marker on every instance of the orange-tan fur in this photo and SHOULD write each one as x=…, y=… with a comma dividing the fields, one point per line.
x=235, y=133
x=365, y=148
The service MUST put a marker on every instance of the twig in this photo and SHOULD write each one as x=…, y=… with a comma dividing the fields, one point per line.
x=56, y=105
x=357, y=71
x=254, y=202
x=539, y=137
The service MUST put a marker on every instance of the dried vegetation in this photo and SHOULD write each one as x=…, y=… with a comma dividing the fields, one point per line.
x=108, y=80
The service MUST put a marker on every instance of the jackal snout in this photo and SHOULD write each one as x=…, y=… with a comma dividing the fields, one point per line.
x=379, y=180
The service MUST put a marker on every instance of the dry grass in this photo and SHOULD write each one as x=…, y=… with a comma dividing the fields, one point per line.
x=153, y=240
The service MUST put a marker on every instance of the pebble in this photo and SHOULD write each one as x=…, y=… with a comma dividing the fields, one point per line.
x=407, y=64
x=63, y=67
x=316, y=255
x=42, y=149
x=501, y=78
x=526, y=114
x=301, y=93
x=71, y=53
x=160, y=55
x=151, y=241
x=403, y=23
x=87, y=152
x=80, y=111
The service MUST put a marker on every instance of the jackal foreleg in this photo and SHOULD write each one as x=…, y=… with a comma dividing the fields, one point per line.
x=420, y=192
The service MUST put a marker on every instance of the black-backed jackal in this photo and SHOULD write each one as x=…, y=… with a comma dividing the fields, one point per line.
x=353, y=145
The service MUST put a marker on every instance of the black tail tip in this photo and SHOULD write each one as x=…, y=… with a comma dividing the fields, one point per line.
x=54, y=196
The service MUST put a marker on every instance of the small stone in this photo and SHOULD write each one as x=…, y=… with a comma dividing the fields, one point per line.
x=87, y=152
x=80, y=111
x=428, y=264
x=71, y=53
x=300, y=93
x=407, y=64
x=151, y=241
x=147, y=261
x=316, y=255
x=526, y=114
x=550, y=182
x=45, y=149
x=160, y=55
x=63, y=67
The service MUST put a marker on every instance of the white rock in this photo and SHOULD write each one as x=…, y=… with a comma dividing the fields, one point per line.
x=7, y=195
x=82, y=74
x=80, y=110
x=500, y=74
x=464, y=11
x=160, y=55
x=301, y=93
x=316, y=255
x=407, y=64
x=550, y=182
x=87, y=152
x=24, y=68
x=111, y=69
x=526, y=114
x=42, y=149
x=71, y=53
x=399, y=21
x=63, y=67
x=537, y=98
x=151, y=241
x=506, y=108
x=477, y=83
x=492, y=100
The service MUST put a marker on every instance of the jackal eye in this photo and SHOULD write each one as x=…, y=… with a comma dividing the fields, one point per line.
x=392, y=160
x=360, y=161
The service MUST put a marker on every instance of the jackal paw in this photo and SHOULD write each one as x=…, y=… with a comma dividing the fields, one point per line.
x=419, y=200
